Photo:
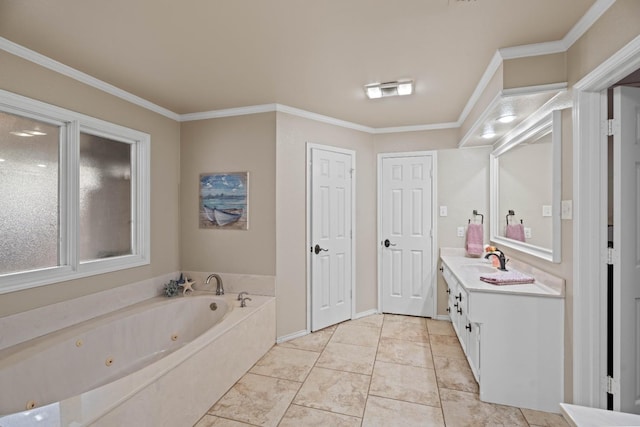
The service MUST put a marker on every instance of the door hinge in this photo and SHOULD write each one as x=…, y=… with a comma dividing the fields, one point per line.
x=351, y=172
x=612, y=126
x=611, y=386
x=611, y=256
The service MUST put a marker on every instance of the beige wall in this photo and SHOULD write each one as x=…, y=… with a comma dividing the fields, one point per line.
x=291, y=283
x=233, y=144
x=617, y=27
x=534, y=71
x=27, y=79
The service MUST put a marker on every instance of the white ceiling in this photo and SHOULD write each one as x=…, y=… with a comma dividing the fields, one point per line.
x=193, y=55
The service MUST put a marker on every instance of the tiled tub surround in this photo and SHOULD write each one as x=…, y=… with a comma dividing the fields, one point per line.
x=168, y=386
x=512, y=335
x=30, y=324
x=236, y=283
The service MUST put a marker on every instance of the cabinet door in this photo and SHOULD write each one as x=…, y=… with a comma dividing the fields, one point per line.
x=473, y=348
x=460, y=314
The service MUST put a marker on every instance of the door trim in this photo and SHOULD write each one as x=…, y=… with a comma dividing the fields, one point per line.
x=352, y=153
x=589, y=224
x=434, y=219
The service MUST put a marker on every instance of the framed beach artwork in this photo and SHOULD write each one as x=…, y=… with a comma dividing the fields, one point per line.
x=224, y=200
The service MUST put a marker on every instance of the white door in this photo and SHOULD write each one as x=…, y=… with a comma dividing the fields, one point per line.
x=331, y=231
x=406, y=235
x=626, y=199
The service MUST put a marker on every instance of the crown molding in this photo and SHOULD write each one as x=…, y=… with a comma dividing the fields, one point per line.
x=65, y=70
x=323, y=119
x=228, y=112
x=417, y=128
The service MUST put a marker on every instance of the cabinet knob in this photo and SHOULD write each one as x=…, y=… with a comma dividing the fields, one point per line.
x=455, y=305
x=448, y=290
x=459, y=310
x=468, y=327
x=448, y=309
x=441, y=269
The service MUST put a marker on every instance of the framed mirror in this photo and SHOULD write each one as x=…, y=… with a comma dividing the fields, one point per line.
x=526, y=190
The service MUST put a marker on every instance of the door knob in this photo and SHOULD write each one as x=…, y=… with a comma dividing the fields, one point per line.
x=387, y=243
x=317, y=249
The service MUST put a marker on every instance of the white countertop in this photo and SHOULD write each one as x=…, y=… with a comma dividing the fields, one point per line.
x=468, y=271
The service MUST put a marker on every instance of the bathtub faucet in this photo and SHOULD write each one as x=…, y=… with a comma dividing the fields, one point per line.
x=219, y=287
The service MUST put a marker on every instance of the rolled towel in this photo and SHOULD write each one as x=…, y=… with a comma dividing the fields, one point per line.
x=515, y=232
x=474, y=240
x=507, y=278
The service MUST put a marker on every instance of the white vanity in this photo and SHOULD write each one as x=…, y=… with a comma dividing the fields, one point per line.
x=512, y=335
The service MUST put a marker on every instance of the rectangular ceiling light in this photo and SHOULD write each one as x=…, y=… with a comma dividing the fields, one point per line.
x=380, y=90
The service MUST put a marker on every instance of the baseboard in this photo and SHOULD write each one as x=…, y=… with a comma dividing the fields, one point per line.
x=292, y=336
x=365, y=313
x=444, y=317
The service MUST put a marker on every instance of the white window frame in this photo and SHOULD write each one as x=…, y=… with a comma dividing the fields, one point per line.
x=71, y=124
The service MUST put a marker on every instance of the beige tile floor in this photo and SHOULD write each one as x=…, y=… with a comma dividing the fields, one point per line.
x=381, y=370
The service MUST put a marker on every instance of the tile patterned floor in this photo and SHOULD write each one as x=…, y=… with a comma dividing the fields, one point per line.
x=381, y=370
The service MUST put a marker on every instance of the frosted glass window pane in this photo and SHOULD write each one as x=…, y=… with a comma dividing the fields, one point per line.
x=29, y=218
x=105, y=198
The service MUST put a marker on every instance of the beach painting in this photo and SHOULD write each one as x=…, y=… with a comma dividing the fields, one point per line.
x=224, y=200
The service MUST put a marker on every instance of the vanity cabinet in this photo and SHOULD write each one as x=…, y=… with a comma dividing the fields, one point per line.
x=466, y=330
x=512, y=336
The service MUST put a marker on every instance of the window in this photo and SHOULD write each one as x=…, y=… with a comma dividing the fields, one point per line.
x=75, y=195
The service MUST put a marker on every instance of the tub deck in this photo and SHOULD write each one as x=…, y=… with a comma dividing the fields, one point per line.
x=176, y=389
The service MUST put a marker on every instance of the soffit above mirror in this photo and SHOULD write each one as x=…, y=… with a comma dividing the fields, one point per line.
x=522, y=104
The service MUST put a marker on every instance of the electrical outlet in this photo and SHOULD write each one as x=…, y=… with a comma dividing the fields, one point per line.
x=443, y=211
x=460, y=231
x=527, y=232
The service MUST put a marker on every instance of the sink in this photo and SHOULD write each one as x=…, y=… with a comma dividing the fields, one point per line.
x=479, y=268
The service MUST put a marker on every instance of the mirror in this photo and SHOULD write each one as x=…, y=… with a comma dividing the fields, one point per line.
x=526, y=190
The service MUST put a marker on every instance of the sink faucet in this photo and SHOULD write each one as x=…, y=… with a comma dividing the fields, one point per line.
x=219, y=287
x=503, y=261
x=241, y=295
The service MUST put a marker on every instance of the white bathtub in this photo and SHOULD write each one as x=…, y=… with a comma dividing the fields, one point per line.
x=160, y=362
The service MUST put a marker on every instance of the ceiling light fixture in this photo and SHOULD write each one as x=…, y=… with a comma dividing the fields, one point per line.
x=28, y=133
x=488, y=133
x=507, y=118
x=381, y=90
x=20, y=134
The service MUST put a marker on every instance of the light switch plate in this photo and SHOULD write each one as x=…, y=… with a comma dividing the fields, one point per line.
x=546, y=210
x=566, y=211
x=460, y=231
x=443, y=211
x=527, y=232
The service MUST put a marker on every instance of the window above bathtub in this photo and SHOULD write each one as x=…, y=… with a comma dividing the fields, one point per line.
x=75, y=195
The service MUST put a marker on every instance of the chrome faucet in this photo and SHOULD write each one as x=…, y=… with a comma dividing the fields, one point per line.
x=241, y=295
x=243, y=301
x=503, y=261
x=219, y=287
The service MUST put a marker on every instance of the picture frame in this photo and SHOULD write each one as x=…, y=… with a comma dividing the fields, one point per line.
x=224, y=201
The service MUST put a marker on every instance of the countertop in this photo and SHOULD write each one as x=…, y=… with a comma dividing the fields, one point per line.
x=468, y=270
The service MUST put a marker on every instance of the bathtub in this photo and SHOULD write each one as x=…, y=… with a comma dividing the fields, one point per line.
x=160, y=362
